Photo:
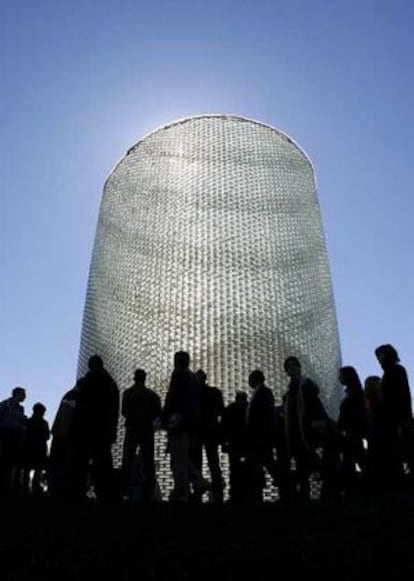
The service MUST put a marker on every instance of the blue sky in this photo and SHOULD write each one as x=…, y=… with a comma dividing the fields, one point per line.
x=82, y=81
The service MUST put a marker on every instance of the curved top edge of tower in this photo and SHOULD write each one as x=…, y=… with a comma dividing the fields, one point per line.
x=230, y=117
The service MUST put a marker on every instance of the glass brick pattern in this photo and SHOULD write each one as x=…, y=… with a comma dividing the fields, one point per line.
x=210, y=240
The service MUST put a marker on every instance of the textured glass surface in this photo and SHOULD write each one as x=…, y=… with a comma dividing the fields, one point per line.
x=210, y=240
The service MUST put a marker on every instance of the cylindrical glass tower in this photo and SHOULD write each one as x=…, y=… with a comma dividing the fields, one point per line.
x=210, y=240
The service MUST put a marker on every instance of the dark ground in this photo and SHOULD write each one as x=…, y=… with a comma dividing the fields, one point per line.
x=348, y=539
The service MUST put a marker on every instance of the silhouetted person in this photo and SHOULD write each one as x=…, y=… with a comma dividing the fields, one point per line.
x=376, y=433
x=260, y=426
x=372, y=393
x=212, y=409
x=94, y=430
x=234, y=427
x=181, y=418
x=35, y=448
x=397, y=418
x=305, y=419
x=12, y=426
x=58, y=475
x=353, y=423
x=140, y=408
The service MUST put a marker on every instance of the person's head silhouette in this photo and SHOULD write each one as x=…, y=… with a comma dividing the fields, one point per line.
x=95, y=363
x=292, y=367
x=387, y=355
x=39, y=409
x=181, y=359
x=201, y=376
x=256, y=378
x=140, y=376
x=349, y=378
x=241, y=398
x=19, y=394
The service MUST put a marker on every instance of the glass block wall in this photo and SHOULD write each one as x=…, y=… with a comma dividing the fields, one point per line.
x=210, y=240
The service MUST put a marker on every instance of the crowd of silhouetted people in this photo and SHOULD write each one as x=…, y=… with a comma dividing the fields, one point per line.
x=368, y=449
